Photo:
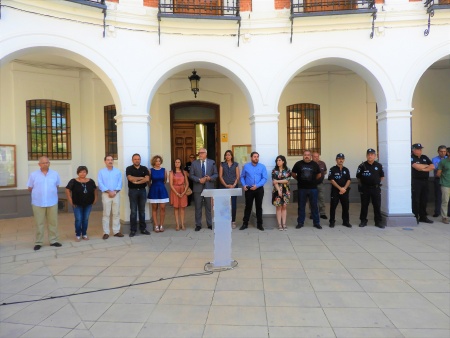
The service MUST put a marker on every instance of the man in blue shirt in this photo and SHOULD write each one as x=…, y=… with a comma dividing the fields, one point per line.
x=253, y=178
x=110, y=184
x=442, y=151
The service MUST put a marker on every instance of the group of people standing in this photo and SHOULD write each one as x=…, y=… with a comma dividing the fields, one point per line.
x=187, y=183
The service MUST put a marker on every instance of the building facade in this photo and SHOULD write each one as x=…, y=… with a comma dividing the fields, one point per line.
x=277, y=77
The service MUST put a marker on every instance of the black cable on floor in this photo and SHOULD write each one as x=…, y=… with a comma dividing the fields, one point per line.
x=114, y=288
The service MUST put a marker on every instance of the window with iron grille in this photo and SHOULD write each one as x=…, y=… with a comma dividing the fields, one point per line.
x=48, y=129
x=110, y=131
x=303, y=128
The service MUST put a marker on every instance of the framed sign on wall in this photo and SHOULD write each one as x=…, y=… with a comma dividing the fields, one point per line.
x=8, y=177
x=242, y=153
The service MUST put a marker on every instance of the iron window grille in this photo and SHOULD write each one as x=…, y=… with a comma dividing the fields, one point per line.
x=48, y=129
x=431, y=6
x=110, y=131
x=303, y=128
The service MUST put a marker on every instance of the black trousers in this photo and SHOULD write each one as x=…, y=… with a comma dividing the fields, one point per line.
x=419, y=191
x=336, y=197
x=250, y=196
x=370, y=194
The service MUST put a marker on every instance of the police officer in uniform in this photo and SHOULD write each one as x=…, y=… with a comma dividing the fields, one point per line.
x=421, y=166
x=370, y=174
x=339, y=176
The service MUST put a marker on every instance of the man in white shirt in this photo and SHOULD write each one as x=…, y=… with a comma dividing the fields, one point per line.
x=43, y=185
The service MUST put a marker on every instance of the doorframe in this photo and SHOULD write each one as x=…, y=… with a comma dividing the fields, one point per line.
x=216, y=121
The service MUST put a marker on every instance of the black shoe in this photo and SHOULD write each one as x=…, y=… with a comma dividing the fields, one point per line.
x=426, y=220
x=56, y=244
x=145, y=232
x=317, y=226
x=299, y=226
x=323, y=216
x=260, y=227
x=37, y=247
x=243, y=227
x=347, y=224
x=132, y=233
x=198, y=228
x=362, y=224
x=436, y=215
x=379, y=225
x=210, y=227
x=332, y=224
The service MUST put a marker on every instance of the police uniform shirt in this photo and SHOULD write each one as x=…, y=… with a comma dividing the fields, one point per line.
x=416, y=174
x=142, y=171
x=370, y=174
x=306, y=174
x=339, y=176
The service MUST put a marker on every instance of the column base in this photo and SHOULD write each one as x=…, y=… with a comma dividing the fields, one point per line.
x=399, y=220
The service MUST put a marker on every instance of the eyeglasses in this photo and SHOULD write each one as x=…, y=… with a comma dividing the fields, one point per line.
x=202, y=152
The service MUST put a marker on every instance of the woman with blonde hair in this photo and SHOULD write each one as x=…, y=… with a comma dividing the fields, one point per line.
x=179, y=184
x=157, y=194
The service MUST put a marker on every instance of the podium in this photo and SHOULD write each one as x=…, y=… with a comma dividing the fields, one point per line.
x=222, y=228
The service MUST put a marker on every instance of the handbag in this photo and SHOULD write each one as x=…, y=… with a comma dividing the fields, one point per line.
x=188, y=191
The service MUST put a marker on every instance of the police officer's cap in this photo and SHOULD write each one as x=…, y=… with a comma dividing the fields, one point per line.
x=371, y=151
x=417, y=146
x=340, y=155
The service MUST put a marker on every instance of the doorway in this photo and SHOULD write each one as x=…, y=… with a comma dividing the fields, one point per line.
x=195, y=125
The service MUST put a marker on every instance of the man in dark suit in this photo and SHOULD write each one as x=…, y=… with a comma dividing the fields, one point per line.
x=203, y=173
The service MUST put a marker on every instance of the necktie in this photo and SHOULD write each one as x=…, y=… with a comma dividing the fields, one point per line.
x=203, y=169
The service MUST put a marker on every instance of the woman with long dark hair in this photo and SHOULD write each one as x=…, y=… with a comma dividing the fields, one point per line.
x=229, y=178
x=179, y=184
x=281, y=192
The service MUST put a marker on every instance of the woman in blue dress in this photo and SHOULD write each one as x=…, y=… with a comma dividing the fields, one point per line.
x=157, y=195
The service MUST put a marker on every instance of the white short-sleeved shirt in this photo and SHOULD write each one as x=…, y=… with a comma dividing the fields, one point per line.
x=45, y=188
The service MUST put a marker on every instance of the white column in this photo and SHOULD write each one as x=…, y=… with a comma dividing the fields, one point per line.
x=133, y=136
x=265, y=141
x=394, y=137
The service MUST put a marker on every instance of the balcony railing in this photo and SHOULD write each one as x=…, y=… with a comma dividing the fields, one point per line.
x=307, y=8
x=431, y=6
x=200, y=9
x=97, y=4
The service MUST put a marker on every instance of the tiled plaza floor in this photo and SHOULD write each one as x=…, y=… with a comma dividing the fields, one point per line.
x=359, y=282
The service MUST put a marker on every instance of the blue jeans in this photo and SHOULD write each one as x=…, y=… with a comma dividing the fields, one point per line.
x=303, y=194
x=81, y=219
x=138, y=198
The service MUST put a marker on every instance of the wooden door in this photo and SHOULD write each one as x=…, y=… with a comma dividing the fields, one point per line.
x=329, y=5
x=183, y=140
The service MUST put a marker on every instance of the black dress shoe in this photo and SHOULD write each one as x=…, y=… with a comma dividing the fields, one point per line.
x=198, y=228
x=260, y=227
x=436, y=215
x=132, y=233
x=210, y=227
x=243, y=227
x=332, y=224
x=56, y=244
x=317, y=226
x=362, y=224
x=379, y=225
x=426, y=220
x=323, y=216
x=145, y=232
x=37, y=247
x=299, y=225
x=347, y=224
